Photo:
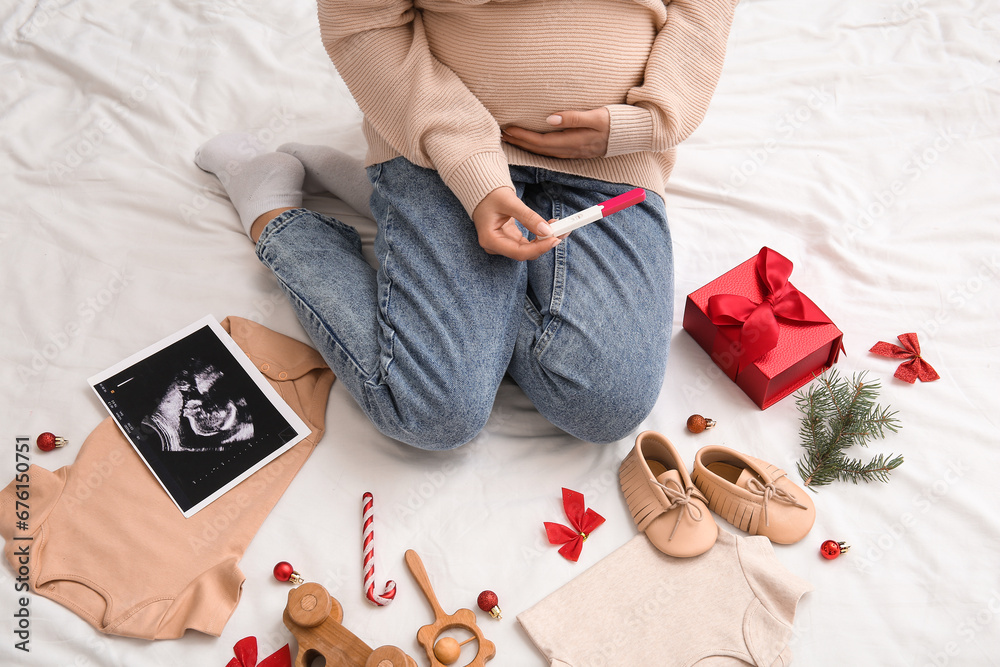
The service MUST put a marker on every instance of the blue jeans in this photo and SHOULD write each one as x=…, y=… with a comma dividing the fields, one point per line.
x=423, y=341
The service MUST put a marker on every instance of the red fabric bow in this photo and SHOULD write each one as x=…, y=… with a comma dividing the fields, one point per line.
x=914, y=367
x=246, y=655
x=759, y=332
x=584, y=522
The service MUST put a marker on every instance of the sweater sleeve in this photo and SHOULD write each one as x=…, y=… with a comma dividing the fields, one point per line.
x=419, y=106
x=680, y=77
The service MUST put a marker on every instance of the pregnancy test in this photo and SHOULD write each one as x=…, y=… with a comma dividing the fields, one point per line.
x=595, y=213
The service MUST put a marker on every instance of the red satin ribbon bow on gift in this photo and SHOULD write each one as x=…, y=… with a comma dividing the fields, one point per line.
x=246, y=655
x=914, y=367
x=584, y=522
x=759, y=332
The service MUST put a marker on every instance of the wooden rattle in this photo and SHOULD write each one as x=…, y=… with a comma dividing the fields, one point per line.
x=314, y=616
x=446, y=651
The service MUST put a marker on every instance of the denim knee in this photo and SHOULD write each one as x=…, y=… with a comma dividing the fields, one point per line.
x=448, y=423
x=601, y=401
x=610, y=413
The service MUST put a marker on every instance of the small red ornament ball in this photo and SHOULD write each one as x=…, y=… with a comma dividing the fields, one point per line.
x=47, y=441
x=487, y=600
x=831, y=549
x=489, y=603
x=283, y=571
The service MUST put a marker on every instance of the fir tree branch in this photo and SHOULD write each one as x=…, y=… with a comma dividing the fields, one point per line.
x=877, y=469
x=837, y=414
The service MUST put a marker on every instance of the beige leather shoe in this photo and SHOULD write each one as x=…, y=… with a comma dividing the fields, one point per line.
x=664, y=502
x=753, y=495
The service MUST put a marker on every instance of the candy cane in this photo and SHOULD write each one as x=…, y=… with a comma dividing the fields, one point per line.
x=369, y=558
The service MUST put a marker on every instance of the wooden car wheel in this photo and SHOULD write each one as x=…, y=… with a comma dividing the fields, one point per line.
x=310, y=604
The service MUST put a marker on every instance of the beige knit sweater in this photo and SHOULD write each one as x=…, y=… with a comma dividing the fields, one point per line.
x=438, y=79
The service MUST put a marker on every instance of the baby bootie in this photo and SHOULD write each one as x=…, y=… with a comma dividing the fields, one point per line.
x=753, y=495
x=664, y=502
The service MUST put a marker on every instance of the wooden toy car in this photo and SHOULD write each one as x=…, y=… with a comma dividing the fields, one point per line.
x=314, y=616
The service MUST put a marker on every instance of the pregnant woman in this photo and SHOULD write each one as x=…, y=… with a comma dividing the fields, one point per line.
x=485, y=121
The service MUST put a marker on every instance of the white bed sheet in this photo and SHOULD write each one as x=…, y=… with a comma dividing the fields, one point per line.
x=859, y=139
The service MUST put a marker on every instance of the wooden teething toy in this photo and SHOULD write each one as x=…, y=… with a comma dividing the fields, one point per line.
x=314, y=616
x=446, y=650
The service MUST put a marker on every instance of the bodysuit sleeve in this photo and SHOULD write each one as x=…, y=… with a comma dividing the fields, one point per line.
x=767, y=628
x=419, y=106
x=680, y=78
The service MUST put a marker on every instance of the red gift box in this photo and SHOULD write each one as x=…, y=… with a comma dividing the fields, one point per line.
x=763, y=333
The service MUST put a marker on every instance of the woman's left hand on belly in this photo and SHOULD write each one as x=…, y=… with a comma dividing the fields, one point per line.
x=581, y=134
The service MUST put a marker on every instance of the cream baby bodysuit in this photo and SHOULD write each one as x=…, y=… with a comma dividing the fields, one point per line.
x=731, y=606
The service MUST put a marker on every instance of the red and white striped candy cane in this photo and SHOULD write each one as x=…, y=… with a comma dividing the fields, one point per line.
x=369, y=558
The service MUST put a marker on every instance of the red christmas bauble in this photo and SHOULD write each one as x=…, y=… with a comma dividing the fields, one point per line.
x=489, y=603
x=283, y=571
x=831, y=549
x=47, y=442
x=487, y=600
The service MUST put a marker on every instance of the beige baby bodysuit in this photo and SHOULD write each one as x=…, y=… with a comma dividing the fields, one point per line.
x=106, y=541
x=731, y=606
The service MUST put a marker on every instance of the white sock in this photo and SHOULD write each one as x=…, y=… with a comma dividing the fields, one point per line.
x=256, y=181
x=334, y=172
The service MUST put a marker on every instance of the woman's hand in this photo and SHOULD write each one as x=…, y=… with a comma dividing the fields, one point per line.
x=494, y=218
x=581, y=134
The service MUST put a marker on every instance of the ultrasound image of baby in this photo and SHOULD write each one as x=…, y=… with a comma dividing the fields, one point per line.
x=201, y=410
